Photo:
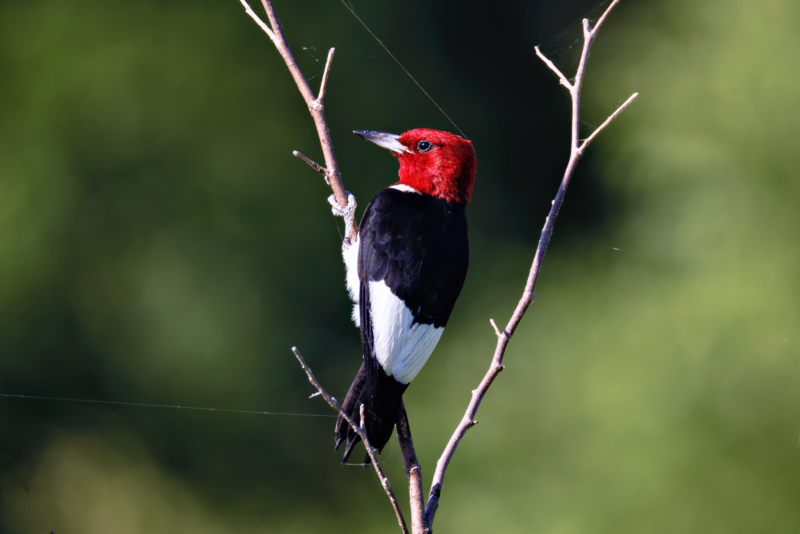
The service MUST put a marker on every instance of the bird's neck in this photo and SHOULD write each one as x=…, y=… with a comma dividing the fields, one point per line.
x=448, y=188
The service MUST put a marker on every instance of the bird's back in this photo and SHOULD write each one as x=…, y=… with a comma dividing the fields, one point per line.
x=417, y=245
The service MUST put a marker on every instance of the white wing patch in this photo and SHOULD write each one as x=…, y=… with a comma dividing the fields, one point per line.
x=400, y=347
x=420, y=342
x=350, y=255
x=391, y=320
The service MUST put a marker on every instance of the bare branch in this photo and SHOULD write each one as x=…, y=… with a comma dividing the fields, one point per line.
x=286, y=52
x=602, y=18
x=561, y=77
x=607, y=121
x=419, y=523
x=256, y=18
x=327, y=71
x=314, y=165
x=576, y=151
x=362, y=434
x=315, y=105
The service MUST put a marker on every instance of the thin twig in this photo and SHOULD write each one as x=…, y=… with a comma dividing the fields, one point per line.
x=419, y=523
x=258, y=20
x=561, y=77
x=602, y=18
x=607, y=121
x=494, y=325
x=314, y=103
x=576, y=151
x=314, y=165
x=324, y=83
x=361, y=431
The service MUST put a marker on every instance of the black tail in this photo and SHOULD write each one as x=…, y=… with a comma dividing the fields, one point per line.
x=381, y=408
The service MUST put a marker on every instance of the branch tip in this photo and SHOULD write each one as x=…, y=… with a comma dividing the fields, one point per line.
x=313, y=164
x=496, y=330
x=551, y=65
x=603, y=16
x=323, y=85
x=610, y=118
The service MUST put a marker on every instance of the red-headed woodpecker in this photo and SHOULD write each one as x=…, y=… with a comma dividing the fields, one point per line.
x=405, y=271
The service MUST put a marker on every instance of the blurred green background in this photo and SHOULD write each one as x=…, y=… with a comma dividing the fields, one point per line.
x=159, y=244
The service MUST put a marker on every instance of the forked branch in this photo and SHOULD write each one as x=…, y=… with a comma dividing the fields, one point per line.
x=315, y=103
x=576, y=151
x=359, y=428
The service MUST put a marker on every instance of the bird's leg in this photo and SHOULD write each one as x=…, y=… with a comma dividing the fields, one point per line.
x=348, y=212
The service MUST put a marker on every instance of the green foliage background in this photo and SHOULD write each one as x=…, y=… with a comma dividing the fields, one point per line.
x=158, y=244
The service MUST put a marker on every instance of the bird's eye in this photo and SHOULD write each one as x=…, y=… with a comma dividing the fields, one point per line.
x=424, y=146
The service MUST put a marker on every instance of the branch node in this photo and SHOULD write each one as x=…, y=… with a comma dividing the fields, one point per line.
x=472, y=423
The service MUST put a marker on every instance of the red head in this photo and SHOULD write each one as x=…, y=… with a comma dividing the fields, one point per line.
x=436, y=163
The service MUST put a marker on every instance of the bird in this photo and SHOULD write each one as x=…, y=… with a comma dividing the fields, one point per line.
x=404, y=272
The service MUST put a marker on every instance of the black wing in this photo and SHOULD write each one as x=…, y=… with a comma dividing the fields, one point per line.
x=417, y=245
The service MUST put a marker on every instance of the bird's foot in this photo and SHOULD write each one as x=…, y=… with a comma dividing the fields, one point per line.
x=348, y=212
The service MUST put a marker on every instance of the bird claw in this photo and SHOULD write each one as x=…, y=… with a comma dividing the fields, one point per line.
x=347, y=212
x=340, y=211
